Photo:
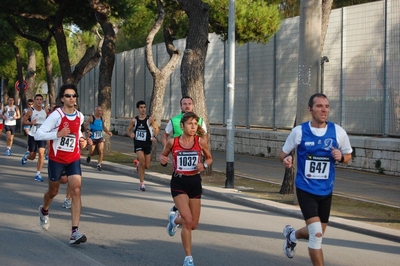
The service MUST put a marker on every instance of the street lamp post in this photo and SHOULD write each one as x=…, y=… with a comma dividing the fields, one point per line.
x=230, y=123
x=324, y=60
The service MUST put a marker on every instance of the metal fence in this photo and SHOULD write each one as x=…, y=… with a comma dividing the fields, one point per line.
x=361, y=79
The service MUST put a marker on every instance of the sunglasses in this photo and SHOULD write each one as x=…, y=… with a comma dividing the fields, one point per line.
x=67, y=95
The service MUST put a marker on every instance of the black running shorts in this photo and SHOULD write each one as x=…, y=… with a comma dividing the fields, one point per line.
x=189, y=185
x=313, y=205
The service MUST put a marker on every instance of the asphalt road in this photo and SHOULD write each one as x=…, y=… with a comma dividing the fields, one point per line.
x=127, y=227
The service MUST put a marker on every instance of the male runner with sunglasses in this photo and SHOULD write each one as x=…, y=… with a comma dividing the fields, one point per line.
x=63, y=129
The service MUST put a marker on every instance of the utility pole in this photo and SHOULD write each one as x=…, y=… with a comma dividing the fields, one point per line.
x=230, y=122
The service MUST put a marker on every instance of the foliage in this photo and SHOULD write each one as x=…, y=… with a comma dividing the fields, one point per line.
x=291, y=8
x=134, y=29
x=77, y=43
x=77, y=16
x=256, y=21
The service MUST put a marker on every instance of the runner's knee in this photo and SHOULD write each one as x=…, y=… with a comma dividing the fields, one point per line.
x=315, y=235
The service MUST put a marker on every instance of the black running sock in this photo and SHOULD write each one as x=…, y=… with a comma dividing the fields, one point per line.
x=174, y=208
x=44, y=212
x=74, y=228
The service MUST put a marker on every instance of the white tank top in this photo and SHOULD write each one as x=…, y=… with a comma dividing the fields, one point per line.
x=9, y=114
x=39, y=116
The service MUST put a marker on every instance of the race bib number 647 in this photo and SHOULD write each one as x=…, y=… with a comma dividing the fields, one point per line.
x=317, y=167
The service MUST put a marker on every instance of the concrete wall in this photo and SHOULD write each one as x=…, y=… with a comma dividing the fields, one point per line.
x=370, y=153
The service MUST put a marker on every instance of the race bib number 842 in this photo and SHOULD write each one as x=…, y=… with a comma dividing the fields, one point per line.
x=66, y=143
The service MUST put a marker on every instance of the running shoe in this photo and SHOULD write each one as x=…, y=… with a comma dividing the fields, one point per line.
x=142, y=187
x=172, y=226
x=67, y=203
x=39, y=178
x=77, y=238
x=88, y=159
x=136, y=162
x=176, y=212
x=43, y=219
x=25, y=158
x=8, y=152
x=98, y=167
x=188, y=261
x=289, y=247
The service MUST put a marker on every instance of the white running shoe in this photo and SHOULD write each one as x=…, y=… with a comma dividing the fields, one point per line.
x=188, y=261
x=77, y=238
x=289, y=247
x=172, y=226
x=67, y=203
x=43, y=219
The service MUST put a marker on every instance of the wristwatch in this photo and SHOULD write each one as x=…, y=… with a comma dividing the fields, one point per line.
x=205, y=165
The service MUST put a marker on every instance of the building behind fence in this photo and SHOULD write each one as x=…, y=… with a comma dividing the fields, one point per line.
x=361, y=79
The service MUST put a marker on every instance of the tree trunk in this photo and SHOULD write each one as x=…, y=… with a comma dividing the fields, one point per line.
x=309, y=56
x=20, y=76
x=160, y=77
x=102, y=12
x=326, y=12
x=5, y=92
x=194, y=58
x=49, y=71
x=61, y=43
x=88, y=61
x=44, y=44
x=288, y=181
x=31, y=73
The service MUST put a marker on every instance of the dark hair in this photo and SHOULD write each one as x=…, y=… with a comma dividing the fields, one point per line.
x=190, y=115
x=30, y=101
x=185, y=97
x=63, y=88
x=139, y=103
x=316, y=95
x=38, y=95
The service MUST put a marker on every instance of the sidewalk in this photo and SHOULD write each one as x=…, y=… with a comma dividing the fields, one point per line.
x=367, y=186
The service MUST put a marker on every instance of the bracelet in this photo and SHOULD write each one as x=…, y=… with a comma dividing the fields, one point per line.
x=341, y=159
